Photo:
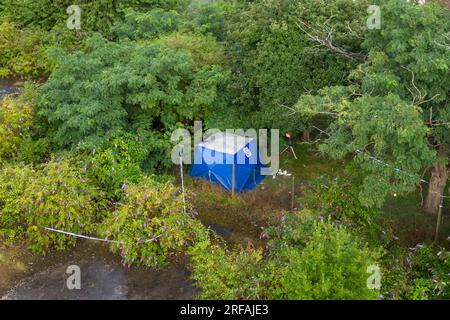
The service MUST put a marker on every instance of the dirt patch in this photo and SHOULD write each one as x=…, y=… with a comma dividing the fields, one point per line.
x=102, y=277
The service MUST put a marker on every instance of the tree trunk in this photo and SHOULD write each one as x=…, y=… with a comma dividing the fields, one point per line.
x=439, y=176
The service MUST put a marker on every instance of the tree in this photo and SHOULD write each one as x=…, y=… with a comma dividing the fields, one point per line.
x=397, y=108
x=273, y=60
x=147, y=87
x=97, y=15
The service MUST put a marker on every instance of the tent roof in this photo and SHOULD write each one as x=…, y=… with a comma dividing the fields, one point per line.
x=225, y=142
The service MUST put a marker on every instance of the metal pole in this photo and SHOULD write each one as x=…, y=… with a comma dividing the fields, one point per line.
x=292, y=193
x=182, y=183
x=233, y=173
x=438, y=224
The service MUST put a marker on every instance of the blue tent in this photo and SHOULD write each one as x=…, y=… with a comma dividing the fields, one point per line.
x=214, y=159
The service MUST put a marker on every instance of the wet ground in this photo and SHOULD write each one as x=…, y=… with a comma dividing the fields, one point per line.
x=102, y=277
x=7, y=89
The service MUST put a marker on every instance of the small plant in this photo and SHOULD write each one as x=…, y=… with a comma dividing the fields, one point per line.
x=339, y=199
x=420, y=273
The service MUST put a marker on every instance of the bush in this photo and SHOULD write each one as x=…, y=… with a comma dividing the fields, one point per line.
x=225, y=274
x=339, y=199
x=52, y=195
x=333, y=265
x=295, y=229
x=421, y=273
x=21, y=137
x=97, y=15
x=22, y=53
x=119, y=164
x=151, y=225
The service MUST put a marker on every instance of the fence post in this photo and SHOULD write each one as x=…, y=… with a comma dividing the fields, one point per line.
x=292, y=193
x=436, y=235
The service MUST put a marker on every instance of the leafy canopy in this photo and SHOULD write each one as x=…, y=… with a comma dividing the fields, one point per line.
x=145, y=87
x=396, y=109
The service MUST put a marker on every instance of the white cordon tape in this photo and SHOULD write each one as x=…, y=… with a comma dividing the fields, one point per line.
x=375, y=159
x=92, y=238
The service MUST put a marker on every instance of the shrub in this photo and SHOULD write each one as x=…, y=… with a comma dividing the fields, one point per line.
x=420, y=273
x=147, y=25
x=119, y=164
x=295, y=229
x=339, y=199
x=333, y=265
x=151, y=225
x=307, y=259
x=52, y=195
x=225, y=274
x=22, y=52
x=21, y=136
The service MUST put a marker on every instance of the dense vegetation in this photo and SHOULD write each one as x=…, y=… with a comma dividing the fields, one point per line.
x=85, y=145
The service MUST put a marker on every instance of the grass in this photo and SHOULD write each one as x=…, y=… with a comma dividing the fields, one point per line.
x=410, y=224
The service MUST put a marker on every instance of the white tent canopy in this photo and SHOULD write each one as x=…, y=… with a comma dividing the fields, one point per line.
x=226, y=142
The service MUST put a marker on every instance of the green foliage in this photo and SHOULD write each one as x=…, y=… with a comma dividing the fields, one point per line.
x=294, y=230
x=201, y=18
x=339, y=199
x=147, y=25
x=52, y=195
x=151, y=225
x=144, y=87
x=333, y=265
x=21, y=136
x=225, y=274
x=114, y=167
x=22, y=52
x=208, y=17
x=396, y=110
x=409, y=57
x=307, y=259
x=274, y=61
x=387, y=128
x=97, y=15
x=420, y=273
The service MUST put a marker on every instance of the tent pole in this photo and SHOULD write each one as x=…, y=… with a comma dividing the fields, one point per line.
x=233, y=174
